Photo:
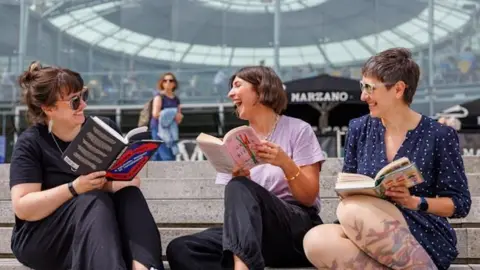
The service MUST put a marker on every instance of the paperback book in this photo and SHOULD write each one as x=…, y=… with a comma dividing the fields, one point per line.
x=98, y=147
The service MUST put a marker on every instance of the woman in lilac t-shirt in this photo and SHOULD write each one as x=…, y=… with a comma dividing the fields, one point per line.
x=269, y=209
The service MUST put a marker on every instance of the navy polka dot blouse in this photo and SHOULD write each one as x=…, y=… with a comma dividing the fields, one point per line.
x=435, y=150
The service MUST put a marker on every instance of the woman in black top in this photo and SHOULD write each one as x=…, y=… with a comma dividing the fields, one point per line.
x=63, y=221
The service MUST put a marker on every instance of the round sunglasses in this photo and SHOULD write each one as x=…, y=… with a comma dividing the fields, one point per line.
x=76, y=101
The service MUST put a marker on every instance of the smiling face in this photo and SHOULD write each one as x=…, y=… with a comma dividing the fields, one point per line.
x=245, y=98
x=382, y=97
x=69, y=110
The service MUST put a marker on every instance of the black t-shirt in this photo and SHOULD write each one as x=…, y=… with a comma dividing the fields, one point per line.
x=37, y=159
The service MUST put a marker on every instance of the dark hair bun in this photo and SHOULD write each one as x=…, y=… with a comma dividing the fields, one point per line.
x=29, y=75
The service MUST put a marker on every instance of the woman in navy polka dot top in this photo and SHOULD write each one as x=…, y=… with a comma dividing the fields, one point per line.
x=410, y=229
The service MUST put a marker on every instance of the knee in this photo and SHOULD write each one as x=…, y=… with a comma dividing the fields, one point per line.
x=97, y=203
x=352, y=207
x=177, y=248
x=238, y=185
x=318, y=241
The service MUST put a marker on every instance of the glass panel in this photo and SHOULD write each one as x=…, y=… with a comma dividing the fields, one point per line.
x=396, y=39
x=160, y=43
x=76, y=29
x=148, y=52
x=128, y=48
x=264, y=52
x=217, y=60
x=61, y=21
x=139, y=38
x=356, y=49
x=105, y=27
x=200, y=49
x=242, y=52
x=336, y=53
x=83, y=14
x=105, y=6
x=122, y=34
x=90, y=36
x=194, y=58
x=109, y=43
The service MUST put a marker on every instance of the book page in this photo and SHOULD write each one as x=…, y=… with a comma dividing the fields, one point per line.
x=240, y=144
x=408, y=176
x=109, y=129
x=204, y=138
x=394, y=165
x=218, y=156
x=135, y=131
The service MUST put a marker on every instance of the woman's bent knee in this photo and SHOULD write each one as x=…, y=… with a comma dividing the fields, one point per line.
x=177, y=248
x=318, y=242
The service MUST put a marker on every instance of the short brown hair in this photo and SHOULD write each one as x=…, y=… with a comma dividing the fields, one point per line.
x=160, y=81
x=43, y=86
x=393, y=65
x=267, y=84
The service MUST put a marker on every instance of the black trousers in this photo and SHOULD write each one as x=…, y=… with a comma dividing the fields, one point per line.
x=259, y=228
x=96, y=230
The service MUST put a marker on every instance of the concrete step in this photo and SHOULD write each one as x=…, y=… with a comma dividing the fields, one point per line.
x=13, y=264
x=203, y=169
x=205, y=188
x=468, y=246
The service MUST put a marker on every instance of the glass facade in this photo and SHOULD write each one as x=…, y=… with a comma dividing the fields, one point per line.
x=122, y=47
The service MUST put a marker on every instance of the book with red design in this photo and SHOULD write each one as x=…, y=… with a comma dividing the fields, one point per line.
x=236, y=148
x=99, y=147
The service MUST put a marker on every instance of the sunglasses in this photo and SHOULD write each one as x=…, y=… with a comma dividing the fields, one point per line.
x=370, y=87
x=169, y=80
x=76, y=101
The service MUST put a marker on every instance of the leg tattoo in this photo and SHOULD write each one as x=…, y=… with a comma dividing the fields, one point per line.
x=394, y=246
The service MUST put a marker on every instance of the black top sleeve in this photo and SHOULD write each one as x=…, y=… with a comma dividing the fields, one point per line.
x=26, y=162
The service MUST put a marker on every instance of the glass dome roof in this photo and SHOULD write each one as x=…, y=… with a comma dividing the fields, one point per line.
x=89, y=25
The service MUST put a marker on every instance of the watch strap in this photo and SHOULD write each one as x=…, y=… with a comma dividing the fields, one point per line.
x=72, y=189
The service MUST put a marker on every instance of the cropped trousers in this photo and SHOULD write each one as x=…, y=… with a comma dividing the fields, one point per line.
x=96, y=230
x=259, y=228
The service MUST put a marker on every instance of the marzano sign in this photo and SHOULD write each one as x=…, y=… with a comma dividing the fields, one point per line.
x=319, y=96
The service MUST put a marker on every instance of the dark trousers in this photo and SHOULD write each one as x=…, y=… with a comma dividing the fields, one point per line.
x=259, y=228
x=96, y=230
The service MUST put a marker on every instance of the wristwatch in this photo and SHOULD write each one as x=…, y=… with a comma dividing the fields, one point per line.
x=423, y=205
x=72, y=189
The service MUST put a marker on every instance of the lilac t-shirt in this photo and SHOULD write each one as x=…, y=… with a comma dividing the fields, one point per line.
x=299, y=141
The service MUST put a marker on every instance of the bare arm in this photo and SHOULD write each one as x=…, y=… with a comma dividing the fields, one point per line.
x=32, y=204
x=438, y=206
x=156, y=107
x=304, y=186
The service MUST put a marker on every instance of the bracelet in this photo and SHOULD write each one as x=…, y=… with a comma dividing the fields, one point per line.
x=72, y=189
x=293, y=177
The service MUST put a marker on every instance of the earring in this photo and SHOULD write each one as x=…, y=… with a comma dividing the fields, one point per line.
x=50, y=126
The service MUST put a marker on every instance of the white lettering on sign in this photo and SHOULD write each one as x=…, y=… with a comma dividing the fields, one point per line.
x=471, y=152
x=319, y=96
x=183, y=152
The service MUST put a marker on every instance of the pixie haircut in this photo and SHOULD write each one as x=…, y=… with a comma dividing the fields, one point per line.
x=267, y=84
x=394, y=65
x=44, y=86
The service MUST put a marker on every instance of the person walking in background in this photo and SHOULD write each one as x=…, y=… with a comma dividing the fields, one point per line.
x=166, y=116
x=409, y=229
x=65, y=221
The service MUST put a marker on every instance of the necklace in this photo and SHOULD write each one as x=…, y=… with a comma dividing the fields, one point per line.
x=58, y=146
x=267, y=137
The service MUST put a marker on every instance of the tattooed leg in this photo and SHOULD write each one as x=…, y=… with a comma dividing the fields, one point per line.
x=327, y=247
x=378, y=228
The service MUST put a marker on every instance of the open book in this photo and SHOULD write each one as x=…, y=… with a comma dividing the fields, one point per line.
x=235, y=148
x=99, y=147
x=400, y=171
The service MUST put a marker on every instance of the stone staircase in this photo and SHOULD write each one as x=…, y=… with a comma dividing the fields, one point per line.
x=184, y=199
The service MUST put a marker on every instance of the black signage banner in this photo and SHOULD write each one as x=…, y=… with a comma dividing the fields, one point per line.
x=321, y=96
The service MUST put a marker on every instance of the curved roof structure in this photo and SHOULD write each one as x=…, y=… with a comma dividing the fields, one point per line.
x=240, y=32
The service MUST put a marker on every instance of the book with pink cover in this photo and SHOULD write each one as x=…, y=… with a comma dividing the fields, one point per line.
x=236, y=148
